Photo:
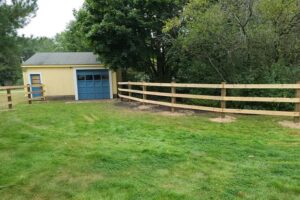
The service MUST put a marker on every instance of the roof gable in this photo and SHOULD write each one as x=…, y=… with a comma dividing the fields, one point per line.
x=63, y=58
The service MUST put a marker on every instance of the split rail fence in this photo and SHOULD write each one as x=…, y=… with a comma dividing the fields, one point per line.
x=223, y=98
x=26, y=91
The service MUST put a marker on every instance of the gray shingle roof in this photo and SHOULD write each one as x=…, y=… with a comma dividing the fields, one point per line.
x=63, y=58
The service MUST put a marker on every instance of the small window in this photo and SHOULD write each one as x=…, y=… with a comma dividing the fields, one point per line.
x=35, y=78
x=97, y=77
x=105, y=77
x=89, y=77
x=80, y=77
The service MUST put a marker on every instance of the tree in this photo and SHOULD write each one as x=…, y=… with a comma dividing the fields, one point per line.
x=129, y=34
x=30, y=45
x=73, y=38
x=238, y=41
x=12, y=17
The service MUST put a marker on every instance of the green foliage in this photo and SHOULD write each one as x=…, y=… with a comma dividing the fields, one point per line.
x=73, y=38
x=12, y=17
x=240, y=41
x=32, y=45
x=100, y=151
x=129, y=34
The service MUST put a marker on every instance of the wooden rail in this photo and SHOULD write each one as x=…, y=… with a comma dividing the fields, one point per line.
x=223, y=98
x=27, y=93
x=216, y=86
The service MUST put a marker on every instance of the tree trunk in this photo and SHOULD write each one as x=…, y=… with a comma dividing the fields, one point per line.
x=162, y=69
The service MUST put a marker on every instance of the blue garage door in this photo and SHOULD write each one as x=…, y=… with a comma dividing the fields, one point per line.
x=93, y=84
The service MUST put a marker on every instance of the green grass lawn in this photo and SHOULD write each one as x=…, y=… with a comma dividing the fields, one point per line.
x=103, y=151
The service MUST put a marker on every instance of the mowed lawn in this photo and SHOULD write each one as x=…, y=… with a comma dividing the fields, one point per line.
x=104, y=151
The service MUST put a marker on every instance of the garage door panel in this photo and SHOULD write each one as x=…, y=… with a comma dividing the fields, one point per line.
x=98, y=84
x=93, y=84
x=106, y=96
x=89, y=84
x=105, y=83
x=82, y=86
x=105, y=91
x=99, y=96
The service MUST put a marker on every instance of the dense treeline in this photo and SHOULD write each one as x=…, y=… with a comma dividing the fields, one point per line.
x=238, y=41
x=206, y=41
x=31, y=45
x=198, y=41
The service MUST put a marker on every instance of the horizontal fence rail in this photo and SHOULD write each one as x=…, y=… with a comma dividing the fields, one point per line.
x=223, y=98
x=216, y=86
x=28, y=93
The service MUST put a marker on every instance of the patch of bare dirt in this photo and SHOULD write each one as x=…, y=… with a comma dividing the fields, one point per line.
x=163, y=110
x=126, y=104
x=177, y=113
x=187, y=112
x=174, y=114
x=88, y=101
x=290, y=124
x=146, y=107
x=227, y=119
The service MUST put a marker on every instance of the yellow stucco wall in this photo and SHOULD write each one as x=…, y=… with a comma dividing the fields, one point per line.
x=59, y=80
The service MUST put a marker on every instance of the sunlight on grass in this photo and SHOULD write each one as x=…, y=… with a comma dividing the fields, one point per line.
x=101, y=151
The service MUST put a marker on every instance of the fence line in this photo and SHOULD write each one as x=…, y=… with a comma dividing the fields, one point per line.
x=216, y=86
x=27, y=92
x=223, y=98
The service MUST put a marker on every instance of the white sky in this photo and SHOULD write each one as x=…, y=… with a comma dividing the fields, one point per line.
x=52, y=17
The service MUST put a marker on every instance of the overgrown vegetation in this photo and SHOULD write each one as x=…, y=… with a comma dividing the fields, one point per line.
x=100, y=151
x=238, y=41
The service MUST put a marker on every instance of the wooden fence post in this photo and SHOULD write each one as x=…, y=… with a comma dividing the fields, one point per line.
x=173, y=91
x=129, y=88
x=43, y=93
x=9, y=98
x=119, y=92
x=297, y=106
x=144, y=90
x=223, y=102
x=29, y=94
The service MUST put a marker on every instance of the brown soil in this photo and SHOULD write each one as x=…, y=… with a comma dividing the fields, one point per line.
x=290, y=124
x=88, y=101
x=227, y=119
x=146, y=107
x=155, y=109
x=174, y=114
x=187, y=112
